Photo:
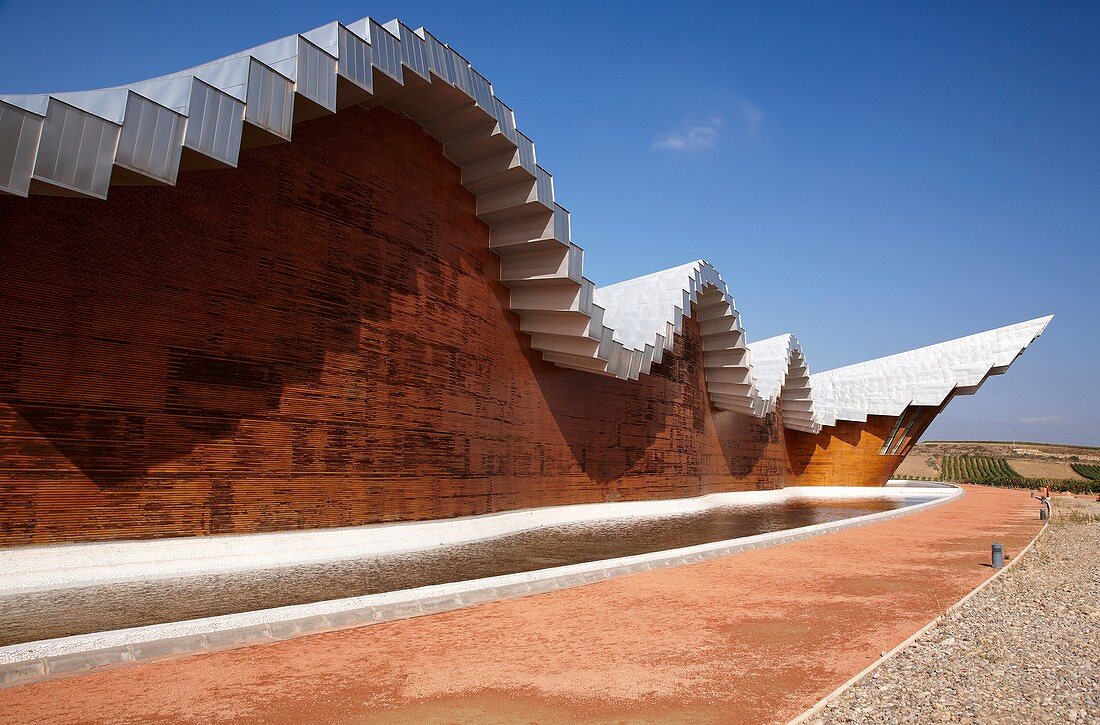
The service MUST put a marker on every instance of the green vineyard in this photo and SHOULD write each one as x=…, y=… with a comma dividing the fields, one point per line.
x=977, y=469
x=996, y=472
x=1088, y=470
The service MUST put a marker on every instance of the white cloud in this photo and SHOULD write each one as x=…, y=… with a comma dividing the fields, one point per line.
x=690, y=137
x=1044, y=420
x=746, y=119
x=751, y=116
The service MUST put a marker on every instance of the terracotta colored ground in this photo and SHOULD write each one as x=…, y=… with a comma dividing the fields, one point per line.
x=749, y=638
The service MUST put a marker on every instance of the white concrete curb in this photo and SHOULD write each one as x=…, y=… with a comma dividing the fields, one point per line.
x=31, y=661
x=28, y=569
x=823, y=703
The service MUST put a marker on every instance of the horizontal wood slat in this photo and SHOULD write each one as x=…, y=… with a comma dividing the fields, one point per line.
x=316, y=338
x=847, y=454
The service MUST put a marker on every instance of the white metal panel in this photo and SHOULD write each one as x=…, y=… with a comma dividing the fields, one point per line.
x=171, y=92
x=269, y=101
x=107, y=103
x=229, y=75
x=76, y=150
x=463, y=74
x=355, y=60
x=648, y=311
x=385, y=51
x=562, y=231
x=20, y=131
x=414, y=51
x=151, y=139
x=526, y=152
x=544, y=187
x=482, y=91
x=326, y=37
x=316, y=77
x=505, y=118
x=925, y=376
x=575, y=271
x=280, y=55
x=36, y=103
x=214, y=124
x=440, y=62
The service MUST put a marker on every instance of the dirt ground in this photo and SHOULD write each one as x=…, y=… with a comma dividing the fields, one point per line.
x=922, y=466
x=1030, y=468
x=755, y=637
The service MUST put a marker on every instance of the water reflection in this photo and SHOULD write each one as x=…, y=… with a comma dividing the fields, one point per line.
x=42, y=615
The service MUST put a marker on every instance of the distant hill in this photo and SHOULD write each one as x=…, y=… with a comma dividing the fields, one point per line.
x=1029, y=460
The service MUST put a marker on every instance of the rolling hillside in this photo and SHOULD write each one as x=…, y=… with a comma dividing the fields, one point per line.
x=1031, y=465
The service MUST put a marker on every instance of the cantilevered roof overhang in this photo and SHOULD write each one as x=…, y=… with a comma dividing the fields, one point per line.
x=83, y=143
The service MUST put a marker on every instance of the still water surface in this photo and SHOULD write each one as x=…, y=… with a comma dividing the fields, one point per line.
x=42, y=615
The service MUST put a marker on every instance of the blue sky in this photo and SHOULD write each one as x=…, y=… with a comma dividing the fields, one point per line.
x=872, y=176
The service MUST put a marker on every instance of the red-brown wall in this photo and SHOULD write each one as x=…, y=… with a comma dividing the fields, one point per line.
x=317, y=338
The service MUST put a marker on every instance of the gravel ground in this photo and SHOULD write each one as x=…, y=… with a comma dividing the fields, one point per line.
x=1026, y=649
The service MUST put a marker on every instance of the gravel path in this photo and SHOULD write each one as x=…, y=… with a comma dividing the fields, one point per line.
x=1026, y=649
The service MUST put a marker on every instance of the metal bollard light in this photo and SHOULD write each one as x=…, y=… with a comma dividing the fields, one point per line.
x=998, y=556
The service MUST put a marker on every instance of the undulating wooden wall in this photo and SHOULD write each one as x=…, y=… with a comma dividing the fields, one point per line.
x=317, y=338
x=847, y=454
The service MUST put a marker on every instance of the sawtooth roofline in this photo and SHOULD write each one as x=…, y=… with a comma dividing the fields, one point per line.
x=81, y=143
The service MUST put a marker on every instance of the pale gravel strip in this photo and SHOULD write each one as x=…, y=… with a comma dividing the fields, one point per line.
x=1025, y=649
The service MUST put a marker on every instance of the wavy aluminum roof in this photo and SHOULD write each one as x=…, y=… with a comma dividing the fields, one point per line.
x=83, y=142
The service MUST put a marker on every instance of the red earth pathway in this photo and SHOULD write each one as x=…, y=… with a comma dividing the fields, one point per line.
x=755, y=637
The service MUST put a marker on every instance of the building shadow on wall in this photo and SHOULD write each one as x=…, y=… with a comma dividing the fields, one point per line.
x=143, y=327
x=752, y=448
x=655, y=427
x=609, y=425
x=803, y=447
x=153, y=322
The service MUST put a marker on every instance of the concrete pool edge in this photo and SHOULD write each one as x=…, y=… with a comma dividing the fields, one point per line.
x=37, y=568
x=44, y=659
